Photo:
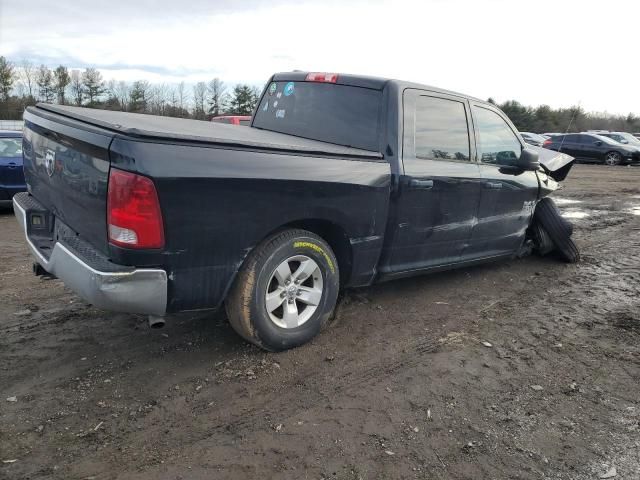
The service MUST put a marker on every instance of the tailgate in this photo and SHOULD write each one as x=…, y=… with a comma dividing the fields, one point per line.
x=66, y=166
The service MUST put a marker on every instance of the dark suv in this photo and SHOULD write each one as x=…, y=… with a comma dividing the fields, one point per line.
x=592, y=148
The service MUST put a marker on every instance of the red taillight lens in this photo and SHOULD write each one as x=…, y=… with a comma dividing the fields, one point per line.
x=322, y=77
x=547, y=142
x=133, y=211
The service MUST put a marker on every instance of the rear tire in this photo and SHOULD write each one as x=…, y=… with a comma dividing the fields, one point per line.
x=547, y=220
x=285, y=291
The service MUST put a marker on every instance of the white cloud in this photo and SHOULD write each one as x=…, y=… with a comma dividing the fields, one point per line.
x=552, y=52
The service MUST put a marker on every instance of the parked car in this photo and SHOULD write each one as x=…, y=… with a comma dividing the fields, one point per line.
x=533, y=138
x=233, y=119
x=272, y=220
x=593, y=148
x=623, y=137
x=11, y=173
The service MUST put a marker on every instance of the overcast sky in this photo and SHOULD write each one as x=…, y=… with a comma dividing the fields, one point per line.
x=559, y=52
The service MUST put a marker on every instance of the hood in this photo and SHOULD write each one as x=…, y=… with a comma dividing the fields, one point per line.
x=555, y=164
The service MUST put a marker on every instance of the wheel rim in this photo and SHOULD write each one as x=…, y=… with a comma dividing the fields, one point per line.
x=294, y=291
x=612, y=158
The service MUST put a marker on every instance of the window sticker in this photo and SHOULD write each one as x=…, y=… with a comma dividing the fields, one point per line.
x=272, y=88
x=279, y=94
x=266, y=106
x=280, y=113
x=275, y=103
x=288, y=89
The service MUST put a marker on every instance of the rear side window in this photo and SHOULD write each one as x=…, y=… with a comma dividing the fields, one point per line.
x=441, y=129
x=497, y=143
x=328, y=112
x=10, y=147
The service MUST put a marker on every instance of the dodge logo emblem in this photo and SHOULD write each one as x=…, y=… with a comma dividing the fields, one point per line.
x=50, y=161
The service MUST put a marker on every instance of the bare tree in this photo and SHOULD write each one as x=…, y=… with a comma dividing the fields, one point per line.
x=77, y=88
x=182, y=97
x=27, y=73
x=122, y=92
x=199, y=94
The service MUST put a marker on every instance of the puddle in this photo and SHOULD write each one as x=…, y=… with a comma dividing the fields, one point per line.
x=565, y=201
x=575, y=214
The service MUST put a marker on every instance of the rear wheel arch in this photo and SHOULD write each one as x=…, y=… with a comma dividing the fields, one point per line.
x=334, y=235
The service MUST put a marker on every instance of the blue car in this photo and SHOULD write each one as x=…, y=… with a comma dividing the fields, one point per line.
x=11, y=172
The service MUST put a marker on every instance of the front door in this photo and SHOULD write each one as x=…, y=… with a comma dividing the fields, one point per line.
x=439, y=192
x=509, y=193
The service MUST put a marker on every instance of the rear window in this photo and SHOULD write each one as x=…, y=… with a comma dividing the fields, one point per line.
x=339, y=114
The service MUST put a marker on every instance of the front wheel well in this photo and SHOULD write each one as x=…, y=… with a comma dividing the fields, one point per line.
x=335, y=236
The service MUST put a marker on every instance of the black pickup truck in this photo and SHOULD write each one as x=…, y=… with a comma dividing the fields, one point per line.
x=340, y=181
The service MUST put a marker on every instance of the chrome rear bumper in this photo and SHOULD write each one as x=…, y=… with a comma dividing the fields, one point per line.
x=141, y=290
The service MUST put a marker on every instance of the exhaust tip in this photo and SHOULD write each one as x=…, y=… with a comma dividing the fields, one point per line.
x=156, y=322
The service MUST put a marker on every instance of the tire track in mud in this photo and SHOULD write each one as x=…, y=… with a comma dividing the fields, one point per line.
x=583, y=290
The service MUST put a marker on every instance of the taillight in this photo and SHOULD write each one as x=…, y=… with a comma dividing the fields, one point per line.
x=133, y=211
x=322, y=77
x=547, y=142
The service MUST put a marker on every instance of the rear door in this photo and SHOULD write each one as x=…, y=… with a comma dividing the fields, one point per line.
x=439, y=191
x=508, y=193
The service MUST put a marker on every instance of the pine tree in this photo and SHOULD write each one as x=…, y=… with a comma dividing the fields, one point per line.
x=93, y=84
x=62, y=79
x=7, y=77
x=243, y=100
x=217, y=96
x=46, y=89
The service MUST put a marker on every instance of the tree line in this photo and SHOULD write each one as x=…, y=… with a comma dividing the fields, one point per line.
x=25, y=84
x=544, y=119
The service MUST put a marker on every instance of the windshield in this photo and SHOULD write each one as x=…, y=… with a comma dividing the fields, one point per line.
x=10, y=147
x=533, y=136
x=629, y=138
x=606, y=140
x=327, y=112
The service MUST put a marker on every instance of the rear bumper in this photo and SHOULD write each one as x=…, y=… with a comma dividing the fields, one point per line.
x=131, y=290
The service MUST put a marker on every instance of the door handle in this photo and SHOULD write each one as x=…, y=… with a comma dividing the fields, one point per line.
x=493, y=185
x=424, y=184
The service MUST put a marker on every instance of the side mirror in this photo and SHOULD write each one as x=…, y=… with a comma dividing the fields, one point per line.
x=529, y=160
x=598, y=143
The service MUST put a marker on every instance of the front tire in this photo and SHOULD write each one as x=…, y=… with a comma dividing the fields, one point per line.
x=550, y=226
x=285, y=291
x=612, y=159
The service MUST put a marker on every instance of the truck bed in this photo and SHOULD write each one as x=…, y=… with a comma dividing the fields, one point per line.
x=180, y=129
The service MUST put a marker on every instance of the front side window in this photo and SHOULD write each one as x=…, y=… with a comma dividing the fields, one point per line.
x=441, y=130
x=497, y=143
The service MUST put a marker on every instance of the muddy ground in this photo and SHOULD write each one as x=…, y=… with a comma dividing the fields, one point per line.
x=401, y=385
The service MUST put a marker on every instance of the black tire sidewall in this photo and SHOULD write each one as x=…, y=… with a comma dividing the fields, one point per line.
x=269, y=334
